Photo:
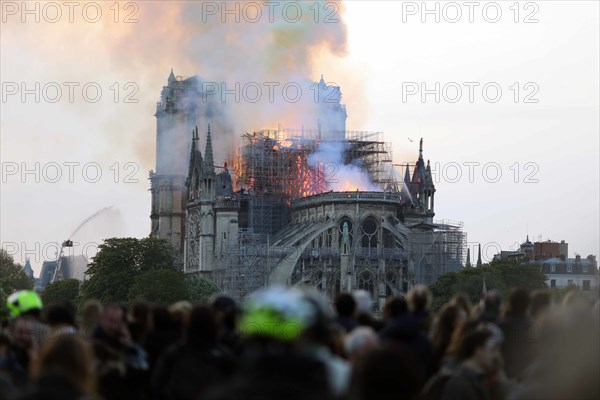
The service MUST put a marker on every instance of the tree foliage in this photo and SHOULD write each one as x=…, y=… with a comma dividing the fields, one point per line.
x=161, y=286
x=12, y=277
x=118, y=262
x=64, y=291
x=501, y=276
x=200, y=289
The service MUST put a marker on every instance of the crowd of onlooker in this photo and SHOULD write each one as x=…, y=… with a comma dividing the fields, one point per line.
x=287, y=344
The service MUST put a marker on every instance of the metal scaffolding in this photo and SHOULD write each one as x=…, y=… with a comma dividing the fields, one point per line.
x=277, y=162
x=243, y=270
x=373, y=154
x=438, y=250
x=274, y=169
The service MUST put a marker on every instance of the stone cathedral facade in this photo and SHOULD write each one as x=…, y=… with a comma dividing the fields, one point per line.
x=260, y=227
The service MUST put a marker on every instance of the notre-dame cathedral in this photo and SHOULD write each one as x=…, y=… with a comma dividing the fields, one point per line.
x=323, y=208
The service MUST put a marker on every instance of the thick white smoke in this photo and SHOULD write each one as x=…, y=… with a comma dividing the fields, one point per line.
x=261, y=72
x=342, y=177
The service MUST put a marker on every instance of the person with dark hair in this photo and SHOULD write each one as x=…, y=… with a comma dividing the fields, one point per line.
x=113, y=346
x=491, y=307
x=316, y=342
x=164, y=332
x=451, y=362
x=138, y=323
x=517, y=328
x=90, y=313
x=541, y=300
x=62, y=371
x=448, y=320
x=12, y=373
x=186, y=370
x=462, y=302
x=345, y=308
x=419, y=301
x=403, y=329
x=385, y=374
x=477, y=356
x=226, y=312
x=395, y=307
x=59, y=314
x=60, y=319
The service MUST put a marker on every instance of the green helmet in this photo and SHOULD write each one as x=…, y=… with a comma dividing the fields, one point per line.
x=277, y=313
x=22, y=301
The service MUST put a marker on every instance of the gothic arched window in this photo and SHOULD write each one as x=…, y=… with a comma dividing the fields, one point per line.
x=369, y=233
x=366, y=281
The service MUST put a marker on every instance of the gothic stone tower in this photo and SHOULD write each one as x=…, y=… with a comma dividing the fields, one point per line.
x=331, y=113
x=211, y=213
x=420, y=192
x=183, y=106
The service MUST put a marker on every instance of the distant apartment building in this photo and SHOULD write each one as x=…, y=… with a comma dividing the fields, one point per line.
x=525, y=252
x=549, y=249
x=562, y=272
x=537, y=251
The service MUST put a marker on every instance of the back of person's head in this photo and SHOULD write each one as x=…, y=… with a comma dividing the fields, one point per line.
x=364, y=301
x=59, y=314
x=68, y=357
x=202, y=326
x=492, y=303
x=317, y=332
x=139, y=320
x=224, y=304
x=395, y=307
x=387, y=373
x=419, y=298
x=446, y=323
x=462, y=330
x=518, y=303
x=461, y=301
x=181, y=311
x=540, y=302
x=360, y=342
x=90, y=312
x=226, y=311
x=161, y=318
x=140, y=312
x=472, y=340
x=345, y=306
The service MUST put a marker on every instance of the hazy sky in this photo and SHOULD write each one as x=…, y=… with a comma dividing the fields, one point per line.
x=510, y=114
